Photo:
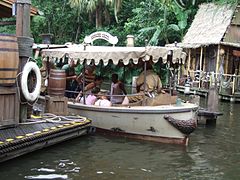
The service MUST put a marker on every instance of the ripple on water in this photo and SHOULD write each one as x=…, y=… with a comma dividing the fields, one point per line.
x=43, y=170
x=48, y=176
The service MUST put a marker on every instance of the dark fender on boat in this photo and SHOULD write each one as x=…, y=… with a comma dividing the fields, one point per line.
x=185, y=126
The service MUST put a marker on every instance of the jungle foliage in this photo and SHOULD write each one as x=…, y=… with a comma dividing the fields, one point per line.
x=158, y=21
x=155, y=22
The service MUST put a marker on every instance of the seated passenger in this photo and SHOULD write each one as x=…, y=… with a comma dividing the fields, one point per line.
x=91, y=98
x=103, y=101
x=97, y=82
x=117, y=88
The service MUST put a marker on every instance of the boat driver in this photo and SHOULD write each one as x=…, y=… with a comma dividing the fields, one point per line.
x=153, y=82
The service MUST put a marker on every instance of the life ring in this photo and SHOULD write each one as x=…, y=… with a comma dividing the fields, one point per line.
x=30, y=96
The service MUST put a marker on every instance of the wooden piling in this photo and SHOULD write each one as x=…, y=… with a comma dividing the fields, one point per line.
x=23, y=30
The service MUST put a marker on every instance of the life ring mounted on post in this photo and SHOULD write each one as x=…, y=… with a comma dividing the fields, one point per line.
x=27, y=69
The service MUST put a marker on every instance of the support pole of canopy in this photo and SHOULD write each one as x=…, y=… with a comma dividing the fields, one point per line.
x=200, y=75
x=124, y=73
x=218, y=59
x=83, y=90
x=145, y=85
x=189, y=60
x=204, y=60
x=180, y=66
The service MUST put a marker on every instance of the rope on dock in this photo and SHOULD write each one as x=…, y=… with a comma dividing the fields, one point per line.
x=52, y=118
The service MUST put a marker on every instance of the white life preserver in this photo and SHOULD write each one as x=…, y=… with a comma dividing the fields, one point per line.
x=30, y=66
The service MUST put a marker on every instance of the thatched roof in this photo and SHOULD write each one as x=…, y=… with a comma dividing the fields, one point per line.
x=209, y=25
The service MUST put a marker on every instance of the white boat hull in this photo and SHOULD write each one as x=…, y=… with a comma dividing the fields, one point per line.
x=140, y=122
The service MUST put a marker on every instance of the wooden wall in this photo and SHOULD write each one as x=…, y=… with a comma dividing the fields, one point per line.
x=9, y=103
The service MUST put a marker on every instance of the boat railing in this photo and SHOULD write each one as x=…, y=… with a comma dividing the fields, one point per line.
x=105, y=93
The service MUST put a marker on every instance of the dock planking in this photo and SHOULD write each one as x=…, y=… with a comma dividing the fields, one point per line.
x=26, y=138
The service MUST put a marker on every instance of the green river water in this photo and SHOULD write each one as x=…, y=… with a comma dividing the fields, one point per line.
x=213, y=153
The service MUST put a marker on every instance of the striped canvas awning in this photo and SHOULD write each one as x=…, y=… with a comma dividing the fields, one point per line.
x=106, y=53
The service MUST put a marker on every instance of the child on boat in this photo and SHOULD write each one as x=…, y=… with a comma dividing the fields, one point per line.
x=103, y=101
x=97, y=82
x=117, y=88
x=92, y=98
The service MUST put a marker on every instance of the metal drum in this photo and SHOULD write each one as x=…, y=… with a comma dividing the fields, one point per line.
x=57, y=82
x=9, y=59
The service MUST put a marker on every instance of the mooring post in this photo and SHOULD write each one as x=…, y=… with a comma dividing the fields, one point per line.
x=212, y=106
x=24, y=41
x=213, y=99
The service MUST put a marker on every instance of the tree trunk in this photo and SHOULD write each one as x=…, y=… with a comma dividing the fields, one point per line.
x=107, y=18
x=78, y=28
x=99, y=15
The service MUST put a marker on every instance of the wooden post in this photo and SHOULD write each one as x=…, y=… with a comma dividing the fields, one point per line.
x=200, y=75
x=234, y=81
x=204, y=60
x=23, y=18
x=218, y=59
x=23, y=29
x=226, y=62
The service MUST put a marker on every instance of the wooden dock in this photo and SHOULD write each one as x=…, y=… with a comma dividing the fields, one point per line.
x=226, y=96
x=206, y=117
x=37, y=134
x=193, y=90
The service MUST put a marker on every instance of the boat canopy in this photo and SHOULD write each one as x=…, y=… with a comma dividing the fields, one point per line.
x=97, y=54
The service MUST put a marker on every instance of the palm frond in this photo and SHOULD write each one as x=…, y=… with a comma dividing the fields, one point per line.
x=173, y=27
x=155, y=37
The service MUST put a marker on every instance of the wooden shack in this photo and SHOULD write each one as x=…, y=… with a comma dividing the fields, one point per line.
x=213, y=46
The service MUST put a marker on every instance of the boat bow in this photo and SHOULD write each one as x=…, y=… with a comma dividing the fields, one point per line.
x=184, y=126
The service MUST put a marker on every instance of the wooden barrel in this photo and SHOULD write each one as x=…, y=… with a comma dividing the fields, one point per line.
x=9, y=59
x=56, y=82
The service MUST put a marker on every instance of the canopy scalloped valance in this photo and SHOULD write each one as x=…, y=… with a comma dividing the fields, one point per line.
x=115, y=54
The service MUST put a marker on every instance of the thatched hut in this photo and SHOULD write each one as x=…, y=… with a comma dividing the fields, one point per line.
x=213, y=43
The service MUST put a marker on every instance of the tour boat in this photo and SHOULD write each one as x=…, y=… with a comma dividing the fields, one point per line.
x=168, y=123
